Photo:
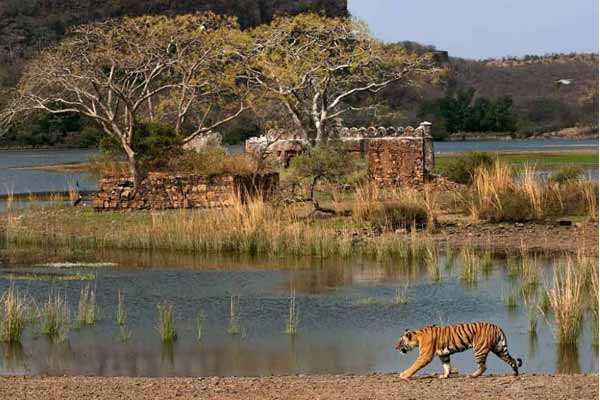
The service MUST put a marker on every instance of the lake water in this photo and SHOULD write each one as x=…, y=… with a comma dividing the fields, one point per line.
x=21, y=181
x=348, y=317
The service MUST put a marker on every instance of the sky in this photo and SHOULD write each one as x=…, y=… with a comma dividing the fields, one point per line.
x=480, y=29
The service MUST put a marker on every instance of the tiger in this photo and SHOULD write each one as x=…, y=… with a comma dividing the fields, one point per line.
x=443, y=341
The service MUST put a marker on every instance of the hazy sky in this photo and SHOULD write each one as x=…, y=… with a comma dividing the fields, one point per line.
x=486, y=28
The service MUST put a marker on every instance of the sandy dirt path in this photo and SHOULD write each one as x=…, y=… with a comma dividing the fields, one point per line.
x=384, y=387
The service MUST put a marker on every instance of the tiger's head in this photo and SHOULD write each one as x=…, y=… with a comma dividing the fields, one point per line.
x=407, y=342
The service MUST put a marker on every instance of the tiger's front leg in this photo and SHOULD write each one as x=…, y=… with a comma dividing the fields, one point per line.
x=419, y=363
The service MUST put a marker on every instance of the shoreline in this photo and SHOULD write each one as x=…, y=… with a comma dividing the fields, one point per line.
x=374, y=386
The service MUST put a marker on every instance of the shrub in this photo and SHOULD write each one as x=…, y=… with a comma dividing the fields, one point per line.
x=391, y=212
x=462, y=169
x=395, y=214
x=566, y=174
x=212, y=161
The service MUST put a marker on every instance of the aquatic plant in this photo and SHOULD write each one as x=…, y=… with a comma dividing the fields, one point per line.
x=292, y=321
x=449, y=256
x=470, y=263
x=234, y=316
x=87, y=305
x=368, y=301
x=57, y=317
x=486, y=263
x=401, y=296
x=124, y=332
x=432, y=262
x=121, y=313
x=166, y=322
x=200, y=325
x=16, y=309
x=532, y=322
x=567, y=301
x=511, y=298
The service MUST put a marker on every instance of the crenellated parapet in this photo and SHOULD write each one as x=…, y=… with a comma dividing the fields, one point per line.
x=381, y=132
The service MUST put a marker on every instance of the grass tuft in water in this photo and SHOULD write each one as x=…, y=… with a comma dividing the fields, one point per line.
x=567, y=301
x=470, y=264
x=16, y=311
x=166, y=322
x=292, y=322
x=200, y=319
x=511, y=299
x=87, y=306
x=57, y=317
x=432, y=261
x=486, y=263
x=401, y=296
x=234, y=316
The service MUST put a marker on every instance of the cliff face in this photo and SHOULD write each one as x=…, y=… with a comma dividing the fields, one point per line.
x=28, y=25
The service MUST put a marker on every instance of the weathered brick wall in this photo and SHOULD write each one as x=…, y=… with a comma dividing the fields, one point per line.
x=396, y=161
x=396, y=156
x=161, y=191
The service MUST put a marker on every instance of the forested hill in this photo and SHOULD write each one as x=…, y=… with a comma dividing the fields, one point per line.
x=28, y=25
x=532, y=77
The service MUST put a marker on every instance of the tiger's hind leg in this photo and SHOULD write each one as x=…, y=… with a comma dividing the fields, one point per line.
x=480, y=357
x=503, y=354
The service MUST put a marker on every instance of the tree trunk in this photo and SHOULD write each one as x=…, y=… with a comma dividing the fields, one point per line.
x=135, y=173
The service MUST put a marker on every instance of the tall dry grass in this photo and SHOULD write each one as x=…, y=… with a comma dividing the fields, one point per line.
x=567, y=300
x=500, y=194
x=87, y=305
x=166, y=322
x=56, y=316
x=16, y=309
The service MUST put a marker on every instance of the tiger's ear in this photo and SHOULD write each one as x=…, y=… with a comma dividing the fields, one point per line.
x=408, y=335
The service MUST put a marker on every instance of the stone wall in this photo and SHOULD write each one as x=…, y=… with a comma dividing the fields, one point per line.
x=396, y=156
x=161, y=191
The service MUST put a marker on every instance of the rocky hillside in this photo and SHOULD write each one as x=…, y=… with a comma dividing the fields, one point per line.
x=28, y=25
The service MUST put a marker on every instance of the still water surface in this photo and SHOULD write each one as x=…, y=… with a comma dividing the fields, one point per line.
x=348, y=317
x=34, y=181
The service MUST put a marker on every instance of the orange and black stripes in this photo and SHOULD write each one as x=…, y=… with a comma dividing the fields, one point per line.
x=442, y=341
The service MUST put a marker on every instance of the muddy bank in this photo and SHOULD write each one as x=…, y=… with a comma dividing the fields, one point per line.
x=511, y=237
x=302, y=387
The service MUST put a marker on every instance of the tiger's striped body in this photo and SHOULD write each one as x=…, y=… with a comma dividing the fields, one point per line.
x=443, y=341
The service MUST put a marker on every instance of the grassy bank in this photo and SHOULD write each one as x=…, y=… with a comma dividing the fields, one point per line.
x=543, y=160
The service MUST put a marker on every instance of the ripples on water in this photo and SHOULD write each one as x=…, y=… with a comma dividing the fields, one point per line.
x=338, y=331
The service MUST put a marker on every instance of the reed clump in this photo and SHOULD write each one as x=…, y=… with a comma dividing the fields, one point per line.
x=500, y=194
x=234, y=316
x=292, y=320
x=16, y=313
x=392, y=210
x=124, y=332
x=166, y=322
x=566, y=299
x=470, y=266
x=57, y=317
x=87, y=305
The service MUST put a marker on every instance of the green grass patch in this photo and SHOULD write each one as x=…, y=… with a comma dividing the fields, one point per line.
x=543, y=159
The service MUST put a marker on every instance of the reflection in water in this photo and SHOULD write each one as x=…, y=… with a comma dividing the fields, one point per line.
x=533, y=343
x=167, y=353
x=567, y=359
x=13, y=358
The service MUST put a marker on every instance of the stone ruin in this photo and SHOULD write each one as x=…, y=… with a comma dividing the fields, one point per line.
x=396, y=156
x=161, y=191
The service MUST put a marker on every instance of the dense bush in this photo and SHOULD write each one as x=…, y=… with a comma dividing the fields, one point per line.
x=396, y=214
x=212, y=161
x=566, y=174
x=462, y=168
